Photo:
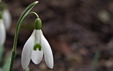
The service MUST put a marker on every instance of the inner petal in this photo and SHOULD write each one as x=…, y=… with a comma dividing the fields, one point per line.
x=38, y=37
x=37, y=56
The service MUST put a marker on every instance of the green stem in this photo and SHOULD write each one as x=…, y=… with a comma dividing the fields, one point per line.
x=1, y=54
x=96, y=57
x=33, y=13
x=22, y=17
x=0, y=15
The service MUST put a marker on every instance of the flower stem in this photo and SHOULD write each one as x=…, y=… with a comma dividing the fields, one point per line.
x=22, y=17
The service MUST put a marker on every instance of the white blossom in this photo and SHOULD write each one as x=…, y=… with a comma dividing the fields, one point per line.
x=36, y=56
x=7, y=18
x=2, y=33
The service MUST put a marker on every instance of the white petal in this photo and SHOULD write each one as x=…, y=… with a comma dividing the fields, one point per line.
x=2, y=33
x=37, y=56
x=47, y=51
x=27, y=51
x=7, y=18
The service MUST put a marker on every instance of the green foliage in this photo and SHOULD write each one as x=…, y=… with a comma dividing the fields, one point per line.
x=21, y=19
x=7, y=63
x=0, y=69
x=0, y=15
x=1, y=53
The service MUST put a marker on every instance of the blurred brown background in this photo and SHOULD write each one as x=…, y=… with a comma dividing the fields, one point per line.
x=76, y=29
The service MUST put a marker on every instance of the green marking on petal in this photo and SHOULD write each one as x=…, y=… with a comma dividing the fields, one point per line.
x=37, y=46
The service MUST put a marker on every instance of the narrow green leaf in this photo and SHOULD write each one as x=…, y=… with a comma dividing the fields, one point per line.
x=22, y=17
x=0, y=69
x=1, y=53
x=24, y=14
x=7, y=63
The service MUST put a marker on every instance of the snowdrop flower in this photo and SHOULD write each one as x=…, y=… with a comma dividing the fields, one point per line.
x=2, y=31
x=35, y=47
x=7, y=18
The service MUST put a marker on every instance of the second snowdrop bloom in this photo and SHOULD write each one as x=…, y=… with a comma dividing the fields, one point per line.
x=2, y=31
x=7, y=18
x=35, y=47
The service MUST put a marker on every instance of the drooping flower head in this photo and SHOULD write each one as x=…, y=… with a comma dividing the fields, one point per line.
x=7, y=18
x=2, y=31
x=35, y=47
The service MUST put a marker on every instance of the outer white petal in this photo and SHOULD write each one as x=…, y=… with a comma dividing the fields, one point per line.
x=27, y=51
x=2, y=32
x=37, y=55
x=47, y=51
x=7, y=18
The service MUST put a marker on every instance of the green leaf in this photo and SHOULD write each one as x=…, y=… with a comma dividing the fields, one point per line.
x=7, y=63
x=22, y=17
x=0, y=69
x=1, y=53
x=0, y=15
